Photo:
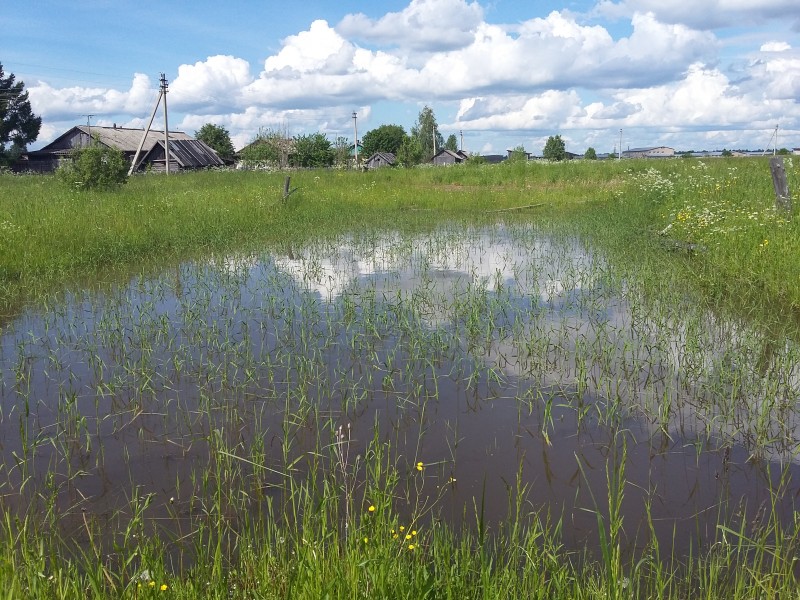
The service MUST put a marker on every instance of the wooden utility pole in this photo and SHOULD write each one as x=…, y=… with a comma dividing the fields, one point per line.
x=166, y=125
x=355, y=144
x=162, y=92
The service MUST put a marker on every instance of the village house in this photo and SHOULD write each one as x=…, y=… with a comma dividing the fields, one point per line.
x=185, y=151
x=380, y=159
x=448, y=157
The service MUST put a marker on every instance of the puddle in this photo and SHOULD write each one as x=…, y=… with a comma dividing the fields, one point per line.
x=498, y=357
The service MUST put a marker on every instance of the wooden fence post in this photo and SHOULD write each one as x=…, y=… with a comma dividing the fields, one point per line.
x=783, y=198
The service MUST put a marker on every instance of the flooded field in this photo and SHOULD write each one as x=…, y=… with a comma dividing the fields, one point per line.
x=483, y=365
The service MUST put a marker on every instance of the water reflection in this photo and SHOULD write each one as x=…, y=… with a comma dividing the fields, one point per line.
x=499, y=357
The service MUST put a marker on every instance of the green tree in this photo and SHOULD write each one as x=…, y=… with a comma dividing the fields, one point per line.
x=554, y=149
x=18, y=124
x=218, y=138
x=95, y=167
x=518, y=154
x=409, y=153
x=386, y=138
x=590, y=154
x=726, y=152
x=312, y=150
x=424, y=131
x=269, y=149
x=341, y=152
x=452, y=143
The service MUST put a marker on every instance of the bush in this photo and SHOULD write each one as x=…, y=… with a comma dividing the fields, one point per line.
x=95, y=167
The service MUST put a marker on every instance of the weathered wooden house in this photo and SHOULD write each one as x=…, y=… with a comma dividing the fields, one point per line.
x=185, y=151
x=380, y=159
x=448, y=157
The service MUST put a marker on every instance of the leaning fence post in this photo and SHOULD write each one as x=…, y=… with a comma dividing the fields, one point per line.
x=783, y=199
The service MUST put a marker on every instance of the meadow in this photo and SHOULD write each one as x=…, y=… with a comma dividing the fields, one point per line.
x=572, y=380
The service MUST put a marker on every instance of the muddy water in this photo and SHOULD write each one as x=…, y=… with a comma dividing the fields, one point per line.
x=500, y=358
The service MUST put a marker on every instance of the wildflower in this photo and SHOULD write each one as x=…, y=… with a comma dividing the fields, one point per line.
x=402, y=528
x=763, y=244
x=411, y=546
x=371, y=508
x=413, y=532
x=408, y=536
x=366, y=540
x=420, y=466
x=151, y=583
x=164, y=587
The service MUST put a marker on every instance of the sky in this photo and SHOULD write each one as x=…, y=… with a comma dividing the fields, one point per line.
x=498, y=74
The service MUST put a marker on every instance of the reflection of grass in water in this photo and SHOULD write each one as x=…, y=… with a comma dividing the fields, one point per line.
x=280, y=503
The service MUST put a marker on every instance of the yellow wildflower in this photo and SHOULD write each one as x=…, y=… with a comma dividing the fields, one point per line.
x=420, y=466
x=371, y=508
x=164, y=587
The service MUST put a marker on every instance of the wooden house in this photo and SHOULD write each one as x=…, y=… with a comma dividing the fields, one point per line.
x=380, y=159
x=185, y=151
x=448, y=157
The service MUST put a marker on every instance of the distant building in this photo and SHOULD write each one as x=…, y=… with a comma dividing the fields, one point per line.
x=795, y=150
x=380, y=159
x=528, y=155
x=649, y=152
x=185, y=151
x=448, y=157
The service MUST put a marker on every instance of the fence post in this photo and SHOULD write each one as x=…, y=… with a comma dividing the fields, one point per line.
x=783, y=199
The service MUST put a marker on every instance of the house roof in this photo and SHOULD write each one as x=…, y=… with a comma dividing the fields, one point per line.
x=645, y=149
x=386, y=157
x=458, y=155
x=189, y=153
x=123, y=138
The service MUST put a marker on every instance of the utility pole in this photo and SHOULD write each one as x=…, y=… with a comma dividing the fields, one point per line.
x=620, y=144
x=462, y=139
x=775, y=147
x=89, y=128
x=355, y=132
x=162, y=93
x=433, y=133
x=166, y=124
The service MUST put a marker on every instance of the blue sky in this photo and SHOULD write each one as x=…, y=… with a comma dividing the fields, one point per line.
x=690, y=74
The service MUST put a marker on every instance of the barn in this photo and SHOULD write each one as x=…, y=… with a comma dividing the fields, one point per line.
x=185, y=151
x=449, y=157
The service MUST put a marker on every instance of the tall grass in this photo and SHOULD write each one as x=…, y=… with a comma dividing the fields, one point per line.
x=257, y=387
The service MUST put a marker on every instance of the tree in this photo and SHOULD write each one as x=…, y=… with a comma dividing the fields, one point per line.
x=269, y=149
x=218, y=138
x=341, y=152
x=409, y=153
x=95, y=167
x=386, y=138
x=424, y=131
x=451, y=143
x=518, y=154
x=18, y=124
x=554, y=149
x=312, y=150
x=726, y=152
x=590, y=154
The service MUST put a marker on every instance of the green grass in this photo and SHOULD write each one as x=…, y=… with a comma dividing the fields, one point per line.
x=256, y=527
